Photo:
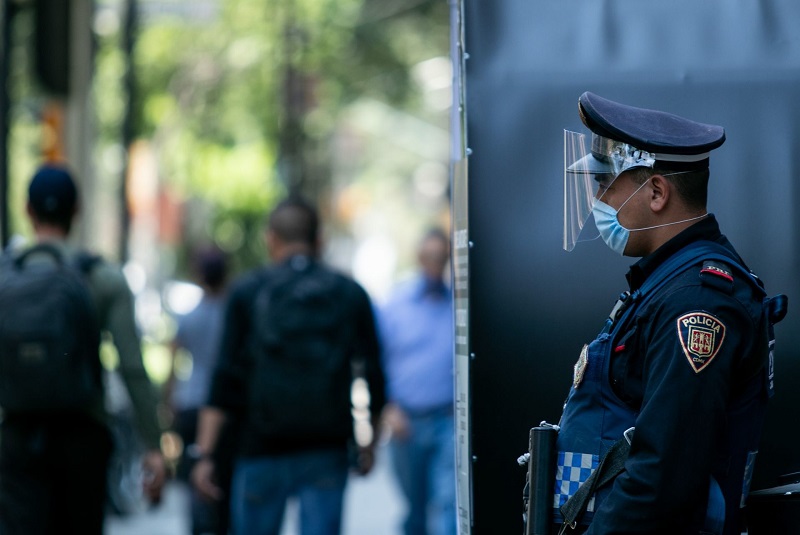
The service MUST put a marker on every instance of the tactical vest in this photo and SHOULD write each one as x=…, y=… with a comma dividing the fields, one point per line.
x=594, y=418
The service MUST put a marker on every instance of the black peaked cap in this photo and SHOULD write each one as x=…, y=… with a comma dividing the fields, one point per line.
x=650, y=130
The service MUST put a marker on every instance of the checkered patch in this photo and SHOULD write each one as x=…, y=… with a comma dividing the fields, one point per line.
x=572, y=469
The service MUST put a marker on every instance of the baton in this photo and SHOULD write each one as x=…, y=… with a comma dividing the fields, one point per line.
x=541, y=479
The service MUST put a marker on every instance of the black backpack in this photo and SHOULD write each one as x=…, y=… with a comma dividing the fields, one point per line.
x=49, y=334
x=300, y=346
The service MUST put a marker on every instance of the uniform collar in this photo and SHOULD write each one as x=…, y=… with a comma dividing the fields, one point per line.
x=705, y=229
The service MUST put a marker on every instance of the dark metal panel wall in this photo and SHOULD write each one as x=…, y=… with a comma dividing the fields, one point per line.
x=532, y=305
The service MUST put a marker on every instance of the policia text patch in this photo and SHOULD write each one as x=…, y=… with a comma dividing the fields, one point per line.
x=701, y=336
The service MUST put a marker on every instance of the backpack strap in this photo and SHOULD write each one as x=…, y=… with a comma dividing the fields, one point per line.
x=83, y=261
x=671, y=268
x=86, y=262
x=270, y=278
x=47, y=248
x=701, y=250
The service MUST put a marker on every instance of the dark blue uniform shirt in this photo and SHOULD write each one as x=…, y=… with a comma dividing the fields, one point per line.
x=684, y=407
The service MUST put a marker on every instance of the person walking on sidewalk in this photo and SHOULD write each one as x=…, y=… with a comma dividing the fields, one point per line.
x=294, y=333
x=416, y=326
x=56, y=444
x=198, y=334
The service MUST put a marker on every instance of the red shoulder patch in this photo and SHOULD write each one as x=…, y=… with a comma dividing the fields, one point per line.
x=701, y=336
x=715, y=268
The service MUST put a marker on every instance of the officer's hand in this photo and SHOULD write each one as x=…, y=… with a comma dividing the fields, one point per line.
x=155, y=475
x=202, y=477
x=396, y=421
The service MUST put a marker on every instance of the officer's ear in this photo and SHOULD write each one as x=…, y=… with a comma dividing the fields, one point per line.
x=660, y=193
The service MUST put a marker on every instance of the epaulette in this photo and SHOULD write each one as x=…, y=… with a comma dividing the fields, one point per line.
x=717, y=275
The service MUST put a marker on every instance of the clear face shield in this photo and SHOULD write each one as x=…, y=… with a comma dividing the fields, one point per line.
x=591, y=164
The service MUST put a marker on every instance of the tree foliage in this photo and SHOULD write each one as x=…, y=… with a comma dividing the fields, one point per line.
x=242, y=107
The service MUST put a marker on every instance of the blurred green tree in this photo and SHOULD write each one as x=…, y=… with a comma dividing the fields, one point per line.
x=241, y=105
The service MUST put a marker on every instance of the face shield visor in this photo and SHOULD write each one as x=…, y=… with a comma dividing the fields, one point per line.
x=592, y=162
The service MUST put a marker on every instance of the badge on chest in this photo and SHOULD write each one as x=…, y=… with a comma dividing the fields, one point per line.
x=580, y=367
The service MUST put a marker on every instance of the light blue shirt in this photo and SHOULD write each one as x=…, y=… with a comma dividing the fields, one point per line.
x=199, y=332
x=416, y=329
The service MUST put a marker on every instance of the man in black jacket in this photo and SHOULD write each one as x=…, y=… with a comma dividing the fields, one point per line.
x=294, y=334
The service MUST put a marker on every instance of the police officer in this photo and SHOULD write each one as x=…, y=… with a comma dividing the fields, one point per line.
x=677, y=382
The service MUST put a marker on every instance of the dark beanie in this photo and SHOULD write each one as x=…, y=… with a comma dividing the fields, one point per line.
x=52, y=193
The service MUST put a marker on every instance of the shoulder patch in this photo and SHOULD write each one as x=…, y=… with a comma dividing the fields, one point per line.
x=717, y=268
x=701, y=336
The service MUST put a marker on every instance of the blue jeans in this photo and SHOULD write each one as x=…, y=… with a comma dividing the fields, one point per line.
x=262, y=485
x=425, y=468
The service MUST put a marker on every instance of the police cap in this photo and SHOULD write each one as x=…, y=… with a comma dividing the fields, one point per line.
x=668, y=137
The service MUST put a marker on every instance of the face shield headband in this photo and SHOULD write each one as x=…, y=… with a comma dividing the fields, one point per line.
x=590, y=160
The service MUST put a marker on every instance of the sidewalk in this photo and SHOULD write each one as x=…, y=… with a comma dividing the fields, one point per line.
x=373, y=506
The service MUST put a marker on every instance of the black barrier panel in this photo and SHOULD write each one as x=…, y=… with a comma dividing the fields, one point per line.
x=533, y=305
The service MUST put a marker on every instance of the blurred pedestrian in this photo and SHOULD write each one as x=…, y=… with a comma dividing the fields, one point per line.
x=416, y=326
x=198, y=333
x=56, y=444
x=294, y=332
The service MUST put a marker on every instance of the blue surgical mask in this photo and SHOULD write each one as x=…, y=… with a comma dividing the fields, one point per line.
x=607, y=222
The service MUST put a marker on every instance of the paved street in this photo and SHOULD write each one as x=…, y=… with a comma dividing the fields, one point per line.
x=372, y=507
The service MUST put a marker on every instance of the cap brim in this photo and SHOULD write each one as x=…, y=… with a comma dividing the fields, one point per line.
x=589, y=165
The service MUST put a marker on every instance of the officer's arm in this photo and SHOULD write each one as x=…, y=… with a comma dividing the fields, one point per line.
x=667, y=473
